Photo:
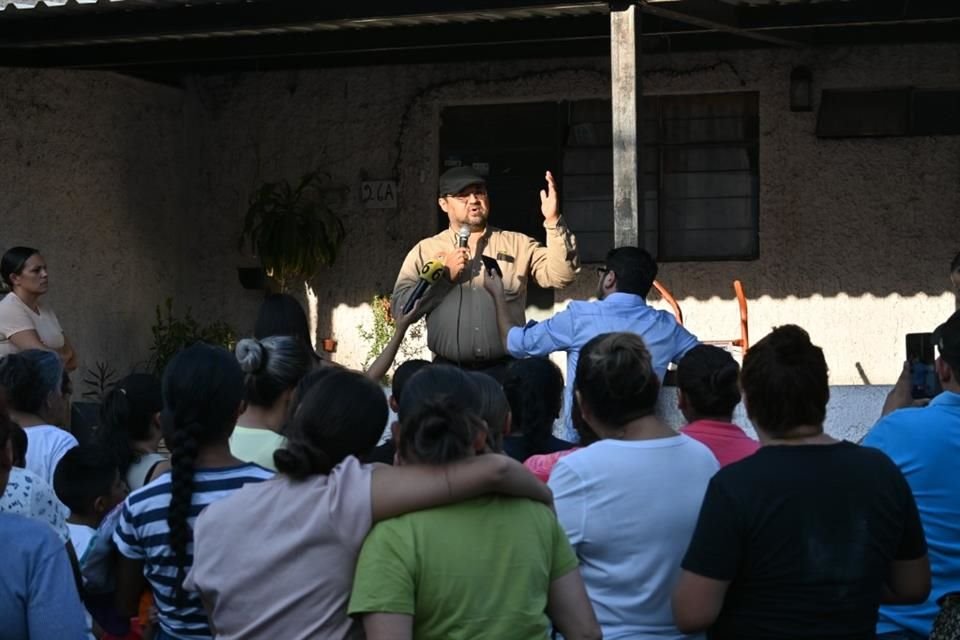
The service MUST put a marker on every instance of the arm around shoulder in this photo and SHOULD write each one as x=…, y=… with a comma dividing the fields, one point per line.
x=403, y=489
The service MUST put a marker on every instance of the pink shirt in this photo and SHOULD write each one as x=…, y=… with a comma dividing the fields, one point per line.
x=726, y=440
x=541, y=465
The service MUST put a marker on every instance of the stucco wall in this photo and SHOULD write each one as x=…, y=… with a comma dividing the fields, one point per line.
x=855, y=235
x=91, y=175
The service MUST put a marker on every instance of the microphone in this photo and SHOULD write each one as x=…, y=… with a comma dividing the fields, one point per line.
x=463, y=237
x=430, y=272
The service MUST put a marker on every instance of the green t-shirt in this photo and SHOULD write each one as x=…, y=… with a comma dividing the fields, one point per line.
x=478, y=569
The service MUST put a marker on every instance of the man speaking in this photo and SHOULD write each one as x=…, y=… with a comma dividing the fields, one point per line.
x=461, y=318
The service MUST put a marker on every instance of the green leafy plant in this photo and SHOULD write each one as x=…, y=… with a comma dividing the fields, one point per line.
x=99, y=381
x=380, y=333
x=171, y=334
x=294, y=230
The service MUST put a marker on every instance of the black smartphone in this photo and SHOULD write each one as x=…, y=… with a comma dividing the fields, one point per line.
x=924, y=382
x=490, y=264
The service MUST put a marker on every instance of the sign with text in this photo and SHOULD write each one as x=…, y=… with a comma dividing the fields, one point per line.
x=379, y=194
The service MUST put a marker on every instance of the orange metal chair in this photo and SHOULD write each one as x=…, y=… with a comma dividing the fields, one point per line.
x=742, y=343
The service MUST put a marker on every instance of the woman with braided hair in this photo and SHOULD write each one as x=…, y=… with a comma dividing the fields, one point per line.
x=299, y=535
x=202, y=397
x=629, y=502
x=708, y=390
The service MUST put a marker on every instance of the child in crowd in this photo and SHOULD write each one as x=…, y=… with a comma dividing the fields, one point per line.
x=707, y=394
x=629, y=502
x=385, y=453
x=33, y=381
x=272, y=368
x=534, y=389
x=541, y=465
x=87, y=480
x=493, y=408
x=202, y=397
x=286, y=569
x=130, y=427
x=449, y=572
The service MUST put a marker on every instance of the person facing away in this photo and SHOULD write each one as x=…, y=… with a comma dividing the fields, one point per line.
x=299, y=535
x=807, y=536
x=88, y=481
x=925, y=444
x=202, y=398
x=130, y=427
x=280, y=314
x=629, y=502
x=534, y=389
x=447, y=573
x=38, y=595
x=493, y=408
x=461, y=326
x=385, y=452
x=33, y=381
x=622, y=288
x=707, y=393
x=542, y=464
x=272, y=368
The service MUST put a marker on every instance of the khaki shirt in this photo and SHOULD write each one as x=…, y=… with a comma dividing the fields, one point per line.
x=520, y=257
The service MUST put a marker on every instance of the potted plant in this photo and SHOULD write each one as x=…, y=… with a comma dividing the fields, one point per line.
x=293, y=229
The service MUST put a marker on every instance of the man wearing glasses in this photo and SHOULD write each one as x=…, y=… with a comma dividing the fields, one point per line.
x=461, y=318
x=622, y=287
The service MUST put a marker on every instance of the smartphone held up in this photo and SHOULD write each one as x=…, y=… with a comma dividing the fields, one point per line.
x=924, y=382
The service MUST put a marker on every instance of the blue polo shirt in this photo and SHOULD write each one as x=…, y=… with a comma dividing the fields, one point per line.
x=571, y=329
x=925, y=444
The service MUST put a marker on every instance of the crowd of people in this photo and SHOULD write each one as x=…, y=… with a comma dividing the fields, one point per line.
x=249, y=494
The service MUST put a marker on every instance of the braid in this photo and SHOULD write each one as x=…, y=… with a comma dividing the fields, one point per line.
x=184, y=447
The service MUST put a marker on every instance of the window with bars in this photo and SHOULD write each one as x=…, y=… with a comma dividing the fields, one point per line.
x=699, y=161
x=700, y=184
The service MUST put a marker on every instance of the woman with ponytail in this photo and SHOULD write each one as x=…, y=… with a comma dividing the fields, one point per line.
x=130, y=427
x=629, y=502
x=299, y=535
x=272, y=368
x=449, y=572
x=534, y=389
x=708, y=390
x=202, y=397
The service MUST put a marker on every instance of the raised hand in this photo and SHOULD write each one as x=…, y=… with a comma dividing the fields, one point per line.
x=493, y=283
x=549, y=201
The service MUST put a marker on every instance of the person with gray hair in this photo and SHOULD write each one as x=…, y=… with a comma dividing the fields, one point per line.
x=33, y=381
x=272, y=367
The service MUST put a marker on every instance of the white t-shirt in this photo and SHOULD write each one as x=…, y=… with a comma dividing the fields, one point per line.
x=81, y=535
x=629, y=509
x=46, y=444
x=15, y=316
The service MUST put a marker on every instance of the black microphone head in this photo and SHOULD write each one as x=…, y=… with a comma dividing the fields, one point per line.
x=463, y=237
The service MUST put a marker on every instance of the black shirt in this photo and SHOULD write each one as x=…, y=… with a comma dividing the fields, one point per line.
x=805, y=535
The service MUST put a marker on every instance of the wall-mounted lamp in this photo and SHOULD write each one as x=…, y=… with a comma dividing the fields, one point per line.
x=801, y=89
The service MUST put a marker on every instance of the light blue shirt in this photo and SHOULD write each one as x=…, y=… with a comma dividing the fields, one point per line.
x=38, y=594
x=571, y=329
x=925, y=444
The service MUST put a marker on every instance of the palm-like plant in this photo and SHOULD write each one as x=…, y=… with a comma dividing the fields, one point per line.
x=294, y=230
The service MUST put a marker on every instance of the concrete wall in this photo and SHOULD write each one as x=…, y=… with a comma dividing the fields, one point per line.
x=855, y=235
x=92, y=176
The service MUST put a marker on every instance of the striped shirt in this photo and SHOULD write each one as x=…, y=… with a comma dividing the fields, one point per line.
x=143, y=534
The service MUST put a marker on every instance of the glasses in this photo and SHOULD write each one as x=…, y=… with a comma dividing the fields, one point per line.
x=464, y=196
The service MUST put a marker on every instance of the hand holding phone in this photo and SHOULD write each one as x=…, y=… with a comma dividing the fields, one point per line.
x=491, y=265
x=924, y=382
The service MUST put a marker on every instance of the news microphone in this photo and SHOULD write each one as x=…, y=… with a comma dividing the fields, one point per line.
x=463, y=237
x=430, y=272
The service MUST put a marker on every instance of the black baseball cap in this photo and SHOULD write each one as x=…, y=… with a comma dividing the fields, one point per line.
x=455, y=180
x=947, y=339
